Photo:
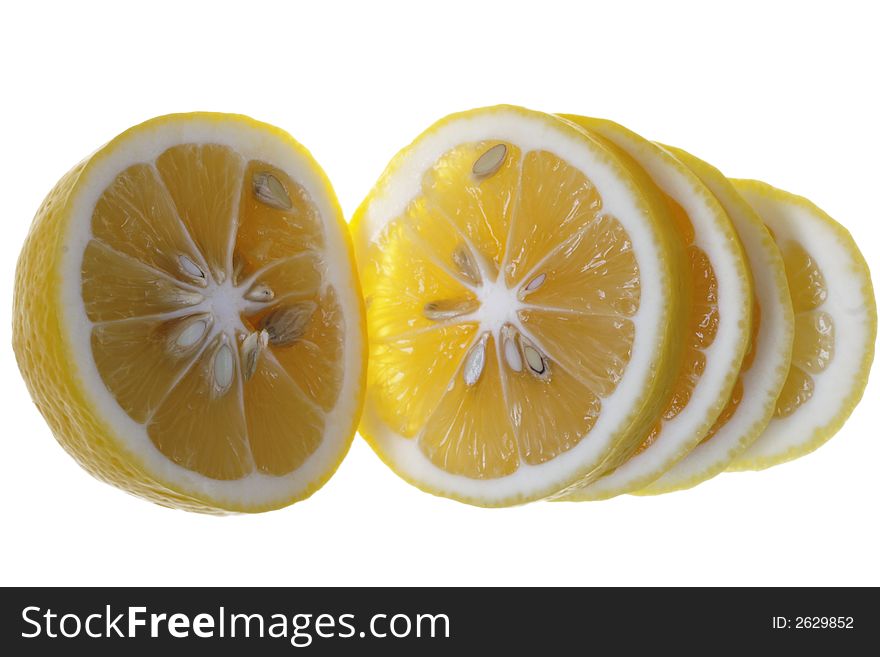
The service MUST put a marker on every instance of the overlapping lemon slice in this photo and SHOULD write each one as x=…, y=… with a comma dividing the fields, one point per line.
x=765, y=366
x=520, y=307
x=835, y=317
x=188, y=317
x=719, y=322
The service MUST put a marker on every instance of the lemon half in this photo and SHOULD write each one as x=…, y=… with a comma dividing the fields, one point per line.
x=188, y=318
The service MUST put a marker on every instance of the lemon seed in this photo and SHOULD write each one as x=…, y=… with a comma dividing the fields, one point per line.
x=466, y=264
x=260, y=292
x=186, y=333
x=536, y=282
x=490, y=161
x=191, y=269
x=224, y=368
x=192, y=334
x=437, y=311
x=475, y=362
x=511, y=351
x=287, y=324
x=538, y=365
x=251, y=349
x=269, y=190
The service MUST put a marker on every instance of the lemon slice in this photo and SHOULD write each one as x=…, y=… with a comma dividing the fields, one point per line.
x=765, y=366
x=719, y=316
x=520, y=304
x=835, y=318
x=188, y=319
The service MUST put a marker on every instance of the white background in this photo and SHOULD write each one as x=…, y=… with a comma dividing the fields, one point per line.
x=786, y=92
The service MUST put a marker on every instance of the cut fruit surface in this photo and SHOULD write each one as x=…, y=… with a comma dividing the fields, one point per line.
x=835, y=328
x=188, y=317
x=765, y=365
x=718, y=324
x=520, y=305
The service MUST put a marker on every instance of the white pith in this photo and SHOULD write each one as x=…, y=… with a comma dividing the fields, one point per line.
x=529, y=132
x=793, y=219
x=498, y=314
x=222, y=300
x=713, y=234
x=763, y=381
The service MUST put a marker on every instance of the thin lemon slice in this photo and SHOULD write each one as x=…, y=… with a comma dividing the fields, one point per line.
x=835, y=326
x=188, y=318
x=520, y=306
x=719, y=318
x=765, y=366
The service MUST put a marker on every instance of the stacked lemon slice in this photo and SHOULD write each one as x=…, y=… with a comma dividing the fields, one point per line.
x=558, y=307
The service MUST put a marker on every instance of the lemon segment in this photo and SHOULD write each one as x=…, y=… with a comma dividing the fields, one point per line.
x=519, y=299
x=835, y=326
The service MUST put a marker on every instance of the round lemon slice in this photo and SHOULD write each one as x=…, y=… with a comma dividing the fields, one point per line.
x=520, y=304
x=188, y=319
x=835, y=326
x=716, y=337
x=765, y=366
